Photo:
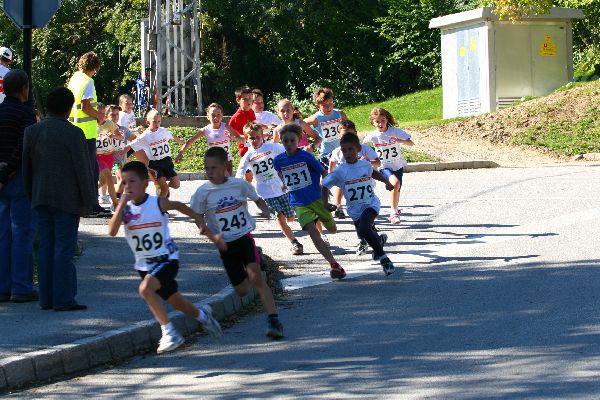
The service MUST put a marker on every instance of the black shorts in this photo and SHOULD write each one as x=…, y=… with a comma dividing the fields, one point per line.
x=238, y=255
x=165, y=273
x=164, y=168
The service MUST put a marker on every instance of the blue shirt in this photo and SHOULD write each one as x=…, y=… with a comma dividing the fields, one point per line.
x=328, y=127
x=301, y=174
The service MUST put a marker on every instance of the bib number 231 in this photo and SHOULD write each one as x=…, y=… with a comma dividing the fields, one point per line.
x=297, y=178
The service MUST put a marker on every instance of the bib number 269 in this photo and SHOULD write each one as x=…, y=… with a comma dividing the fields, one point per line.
x=148, y=242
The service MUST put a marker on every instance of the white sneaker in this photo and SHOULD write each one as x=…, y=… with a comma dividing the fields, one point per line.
x=211, y=325
x=169, y=342
x=105, y=199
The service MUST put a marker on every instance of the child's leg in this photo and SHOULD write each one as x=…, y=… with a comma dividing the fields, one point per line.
x=264, y=291
x=316, y=238
x=285, y=228
x=147, y=291
x=364, y=228
x=174, y=182
x=108, y=179
x=338, y=196
x=394, y=194
x=163, y=186
x=119, y=181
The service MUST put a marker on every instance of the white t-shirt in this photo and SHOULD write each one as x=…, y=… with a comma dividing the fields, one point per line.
x=365, y=151
x=358, y=186
x=3, y=71
x=88, y=91
x=155, y=144
x=127, y=120
x=260, y=162
x=268, y=118
x=388, y=148
x=147, y=233
x=225, y=207
x=218, y=137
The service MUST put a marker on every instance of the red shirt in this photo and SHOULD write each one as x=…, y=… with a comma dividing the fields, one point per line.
x=237, y=122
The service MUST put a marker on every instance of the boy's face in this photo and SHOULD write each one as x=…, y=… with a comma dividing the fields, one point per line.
x=286, y=112
x=245, y=101
x=126, y=105
x=102, y=110
x=215, y=115
x=154, y=123
x=255, y=138
x=290, y=142
x=134, y=186
x=381, y=123
x=326, y=107
x=258, y=104
x=215, y=169
x=350, y=152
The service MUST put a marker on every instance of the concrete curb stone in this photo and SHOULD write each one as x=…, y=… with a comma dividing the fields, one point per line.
x=112, y=346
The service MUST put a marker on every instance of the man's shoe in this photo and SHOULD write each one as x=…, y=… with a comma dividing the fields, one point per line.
x=297, y=249
x=337, y=272
x=361, y=248
x=100, y=212
x=211, y=325
x=387, y=265
x=25, y=298
x=74, y=307
x=275, y=330
x=339, y=213
x=169, y=342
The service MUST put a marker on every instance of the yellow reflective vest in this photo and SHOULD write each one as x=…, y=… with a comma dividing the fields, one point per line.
x=88, y=124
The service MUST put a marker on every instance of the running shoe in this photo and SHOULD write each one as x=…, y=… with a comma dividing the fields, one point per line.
x=169, y=342
x=297, y=249
x=339, y=213
x=211, y=325
x=394, y=219
x=362, y=248
x=336, y=271
x=387, y=265
x=105, y=199
x=274, y=330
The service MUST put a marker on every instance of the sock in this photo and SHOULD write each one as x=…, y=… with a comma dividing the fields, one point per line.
x=167, y=329
x=202, y=317
x=295, y=241
x=273, y=318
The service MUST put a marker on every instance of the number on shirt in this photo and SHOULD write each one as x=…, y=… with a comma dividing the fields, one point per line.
x=293, y=178
x=358, y=193
x=237, y=222
x=262, y=166
x=147, y=243
x=387, y=153
x=161, y=150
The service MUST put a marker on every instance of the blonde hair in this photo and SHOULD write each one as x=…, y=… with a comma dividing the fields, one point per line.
x=250, y=127
x=295, y=114
x=214, y=105
x=384, y=113
x=291, y=128
x=321, y=95
x=151, y=114
x=124, y=97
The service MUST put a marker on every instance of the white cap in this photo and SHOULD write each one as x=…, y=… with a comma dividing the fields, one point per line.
x=6, y=53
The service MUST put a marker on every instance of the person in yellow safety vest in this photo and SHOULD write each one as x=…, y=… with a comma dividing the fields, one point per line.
x=84, y=113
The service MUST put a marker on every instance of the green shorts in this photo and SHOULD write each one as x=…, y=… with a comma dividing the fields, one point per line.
x=313, y=212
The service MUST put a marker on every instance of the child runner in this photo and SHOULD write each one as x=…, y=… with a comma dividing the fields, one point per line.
x=327, y=121
x=222, y=205
x=387, y=140
x=156, y=255
x=217, y=134
x=301, y=173
x=120, y=153
x=267, y=119
x=289, y=114
x=243, y=115
x=152, y=148
x=105, y=147
x=126, y=115
x=354, y=177
x=259, y=159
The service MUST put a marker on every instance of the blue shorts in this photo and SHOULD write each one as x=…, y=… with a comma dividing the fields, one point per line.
x=387, y=173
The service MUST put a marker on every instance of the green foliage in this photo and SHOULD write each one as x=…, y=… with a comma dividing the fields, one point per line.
x=193, y=159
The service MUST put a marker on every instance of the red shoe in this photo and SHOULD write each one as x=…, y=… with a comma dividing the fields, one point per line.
x=336, y=271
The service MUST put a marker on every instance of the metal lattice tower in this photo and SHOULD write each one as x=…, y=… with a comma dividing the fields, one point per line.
x=171, y=55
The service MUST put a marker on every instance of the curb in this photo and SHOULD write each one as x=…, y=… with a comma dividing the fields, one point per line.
x=115, y=345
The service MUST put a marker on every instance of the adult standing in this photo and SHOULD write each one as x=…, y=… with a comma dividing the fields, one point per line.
x=6, y=57
x=59, y=181
x=85, y=114
x=17, y=219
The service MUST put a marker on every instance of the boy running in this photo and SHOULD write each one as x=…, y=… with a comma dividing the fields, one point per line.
x=108, y=131
x=301, y=173
x=267, y=119
x=146, y=225
x=259, y=159
x=354, y=177
x=222, y=205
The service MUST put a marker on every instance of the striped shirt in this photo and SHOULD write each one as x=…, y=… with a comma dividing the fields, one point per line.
x=14, y=118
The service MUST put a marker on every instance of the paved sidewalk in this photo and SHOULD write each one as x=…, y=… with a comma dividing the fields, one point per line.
x=38, y=344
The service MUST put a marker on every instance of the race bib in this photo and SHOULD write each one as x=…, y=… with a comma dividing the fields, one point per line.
x=224, y=144
x=263, y=169
x=104, y=145
x=358, y=191
x=147, y=240
x=233, y=221
x=388, y=152
x=330, y=132
x=296, y=176
x=160, y=150
x=268, y=135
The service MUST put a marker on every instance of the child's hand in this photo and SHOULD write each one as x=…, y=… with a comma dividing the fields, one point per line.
x=330, y=207
x=220, y=242
x=389, y=187
x=124, y=198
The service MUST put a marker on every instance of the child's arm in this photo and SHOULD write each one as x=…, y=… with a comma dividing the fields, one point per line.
x=142, y=156
x=243, y=166
x=310, y=132
x=264, y=208
x=312, y=120
x=117, y=218
x=178, y=140
x=332, y=165
x=116, y=134
x=377, y=176
x=325, y=199
x=235, y=136
x=344, y=117
x=188, y=144
x=406, y=142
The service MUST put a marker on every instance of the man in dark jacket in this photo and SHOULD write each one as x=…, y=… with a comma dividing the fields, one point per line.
x=17, y=219
x=59, y=181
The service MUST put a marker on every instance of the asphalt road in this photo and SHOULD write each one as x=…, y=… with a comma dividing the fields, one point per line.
x=496, y=296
